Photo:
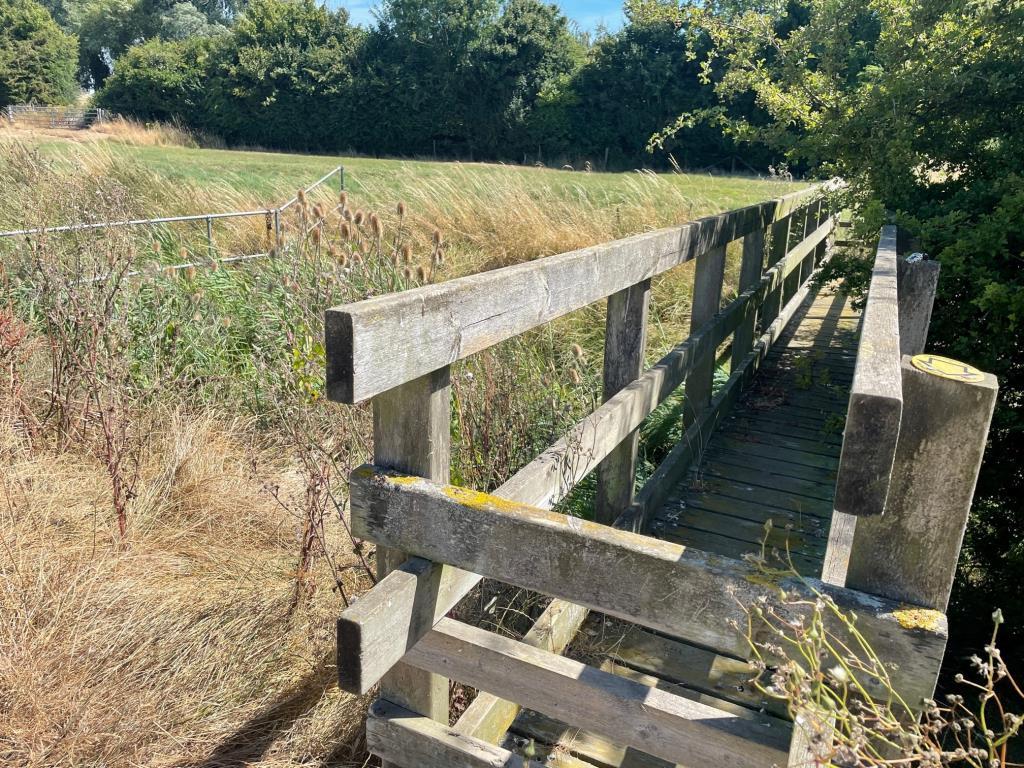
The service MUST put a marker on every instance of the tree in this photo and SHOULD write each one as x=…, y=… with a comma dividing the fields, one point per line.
x=282, y=77
x=158, y=81
x=528, y=52
x=37, y=58
x=920, y=105
x=414, y=71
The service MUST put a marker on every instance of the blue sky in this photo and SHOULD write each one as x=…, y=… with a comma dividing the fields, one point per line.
x=589, y=14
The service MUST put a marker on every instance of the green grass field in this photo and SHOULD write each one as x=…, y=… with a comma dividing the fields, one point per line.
x=269, y=178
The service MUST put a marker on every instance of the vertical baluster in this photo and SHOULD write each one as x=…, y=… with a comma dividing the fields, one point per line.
x=625, y=337
x=750, y=276
x=707, y=296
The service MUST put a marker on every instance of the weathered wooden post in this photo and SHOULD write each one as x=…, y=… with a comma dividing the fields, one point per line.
x=707, y=296
x=625, y=339
x=750, y=275
x=412, y=433
x=910, y=552
x=777, y=249
x=917, y=284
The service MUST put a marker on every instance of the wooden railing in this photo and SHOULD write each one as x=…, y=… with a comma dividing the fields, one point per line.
x=397, y=350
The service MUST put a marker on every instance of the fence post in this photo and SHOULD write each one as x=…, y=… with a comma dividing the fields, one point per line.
x=209, y=237
x=917, y=284
x=412, y=433
x=910, y=552
x=341, y=179
x=750, y=275
x=707, y=296
x=277, y=230
x=625, y=338
x=777, y=250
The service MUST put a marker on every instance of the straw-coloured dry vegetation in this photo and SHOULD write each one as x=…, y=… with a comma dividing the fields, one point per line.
x=172, y=482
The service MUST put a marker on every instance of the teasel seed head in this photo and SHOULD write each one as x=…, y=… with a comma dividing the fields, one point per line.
x=401, y=208
x=407, y=253
x=407, y=273
x=575, y=376
x=376, y=226
x=578, y=351
x=360, y=217
x=301, y=196
x=421, y=273
x=343, y=198
x=346, y=231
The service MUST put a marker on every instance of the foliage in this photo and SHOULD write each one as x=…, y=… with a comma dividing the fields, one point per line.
x=811, y=655
x=919, y=104
x=462, y=78
x=37, y=59
x=157, y=81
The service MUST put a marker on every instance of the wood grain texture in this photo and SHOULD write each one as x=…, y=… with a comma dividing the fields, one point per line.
x=876, y=399
x=911, y=552
x=411, y=433
x=631, y=713
x=378, y=344
x=750, y=275
x=917, y=285
x=707, y=298
x=401, y=737
x=683, y=592
x=624, y=343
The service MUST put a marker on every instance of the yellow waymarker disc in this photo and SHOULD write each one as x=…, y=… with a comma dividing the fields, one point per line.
x=947, y=368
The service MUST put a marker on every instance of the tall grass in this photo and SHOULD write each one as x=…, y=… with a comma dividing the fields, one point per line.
x=187, y=618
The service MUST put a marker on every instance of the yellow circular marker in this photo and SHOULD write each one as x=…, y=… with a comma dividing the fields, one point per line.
x=947, y=368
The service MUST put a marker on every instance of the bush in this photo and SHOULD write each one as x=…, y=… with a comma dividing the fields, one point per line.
x=37, y=60
x=158, y=81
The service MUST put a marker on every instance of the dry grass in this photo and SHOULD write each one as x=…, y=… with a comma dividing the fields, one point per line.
x=176, y=646
x=140, y=134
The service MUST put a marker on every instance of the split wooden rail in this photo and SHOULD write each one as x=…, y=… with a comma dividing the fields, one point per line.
x=436, y=541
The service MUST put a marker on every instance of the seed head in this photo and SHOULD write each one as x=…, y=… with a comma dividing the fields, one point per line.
x=577, y=350
x=407, y=253
x=575, y=376
x=376, y=226
x=421, y=273
x=438, y=240
x=346, y=231
x=407, y=273
x=343, y=198
x=360, y=218
x=301, y=196
x=401, y=208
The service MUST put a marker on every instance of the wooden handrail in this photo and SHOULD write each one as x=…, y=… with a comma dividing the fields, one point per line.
x=381, y=343
x=876, y=397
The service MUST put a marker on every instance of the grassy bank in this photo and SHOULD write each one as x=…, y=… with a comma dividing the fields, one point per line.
x=173, y=505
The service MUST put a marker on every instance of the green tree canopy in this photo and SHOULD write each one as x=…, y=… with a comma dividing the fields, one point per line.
x=920, y=105
x=37, y=59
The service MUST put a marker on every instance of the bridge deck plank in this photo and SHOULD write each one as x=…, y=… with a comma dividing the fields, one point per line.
x=780, y=447
x=773, y=459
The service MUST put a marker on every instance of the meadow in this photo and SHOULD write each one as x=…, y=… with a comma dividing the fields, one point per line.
x=172, y=481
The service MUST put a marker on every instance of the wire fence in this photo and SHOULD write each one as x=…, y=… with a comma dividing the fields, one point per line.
x=271, y=216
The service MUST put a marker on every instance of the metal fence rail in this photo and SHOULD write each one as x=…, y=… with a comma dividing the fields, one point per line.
x=271, y=215
x=54, y=117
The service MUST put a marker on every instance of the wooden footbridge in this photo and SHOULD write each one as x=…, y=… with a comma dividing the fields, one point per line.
x=862, y=457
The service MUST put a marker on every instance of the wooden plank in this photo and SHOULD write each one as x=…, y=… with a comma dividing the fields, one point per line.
x=758, y=512
x=775, y=466
x=602, y=751
x=765, y=447
x=750, y=274
x=773, y=498
x=597, y=566
x=412, y=433
x=765, y=479
x=377, y=344
x=703, y=671
x=917, y=285
x=780, y=535
x=625, y=340
x=734, y=548
x=707, y=296
x=876, y=400
x=488, y=716
x=837, y=553
x=632, y=714
x=550, y=755
x=401, y=737
x=773, y=439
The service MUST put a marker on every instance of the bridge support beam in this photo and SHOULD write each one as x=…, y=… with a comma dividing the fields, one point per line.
x=910, y=552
